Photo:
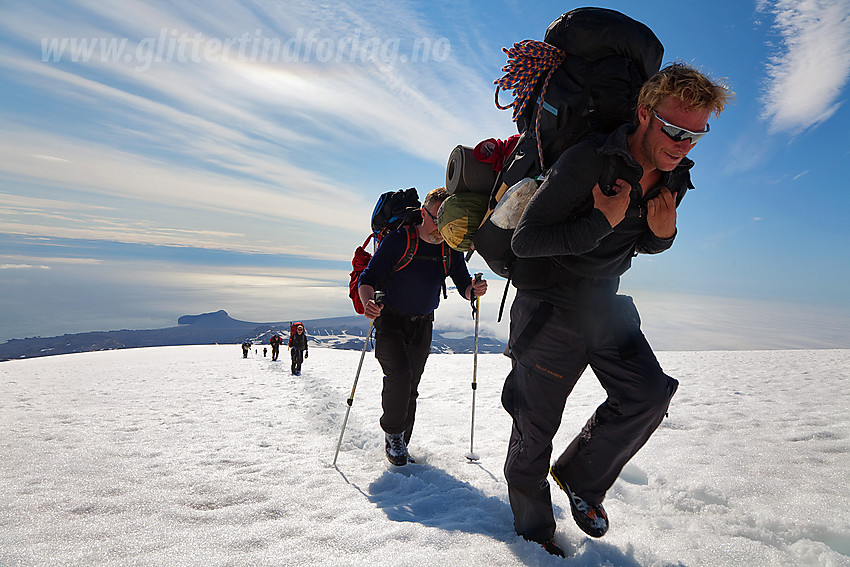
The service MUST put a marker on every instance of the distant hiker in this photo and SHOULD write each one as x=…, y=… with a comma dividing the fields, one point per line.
x=265, y=351
x=246, y=346
x=577, y=319
x=297, y=347
x=275, y=340
x=404, y=319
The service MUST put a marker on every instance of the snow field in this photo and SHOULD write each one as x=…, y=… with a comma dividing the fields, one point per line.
x=195, y=456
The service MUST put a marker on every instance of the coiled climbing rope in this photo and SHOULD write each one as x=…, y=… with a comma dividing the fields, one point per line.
x=528, y=60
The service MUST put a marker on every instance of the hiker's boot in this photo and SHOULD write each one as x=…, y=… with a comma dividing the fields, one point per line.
x=396, y=449
x=591, y=518
x=552, y=548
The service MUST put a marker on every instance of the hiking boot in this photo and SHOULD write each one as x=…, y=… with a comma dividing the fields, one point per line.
x=549, y=545
x=552, y=548
x=396, y=449
x=591, y=518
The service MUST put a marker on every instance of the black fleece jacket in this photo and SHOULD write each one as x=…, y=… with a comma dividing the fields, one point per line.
x=298, y=341
x=561, y=223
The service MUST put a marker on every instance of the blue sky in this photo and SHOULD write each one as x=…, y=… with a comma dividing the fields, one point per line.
x=159, y=161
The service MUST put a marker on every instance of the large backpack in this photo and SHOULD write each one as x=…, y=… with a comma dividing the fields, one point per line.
x=293, y=330
x=394, y=210
x=582, y=80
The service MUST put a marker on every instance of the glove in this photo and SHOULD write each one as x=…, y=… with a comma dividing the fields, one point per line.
x=305, y=354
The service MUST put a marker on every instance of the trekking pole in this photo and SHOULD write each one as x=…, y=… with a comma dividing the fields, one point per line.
x=350, y=399
x=476, y=303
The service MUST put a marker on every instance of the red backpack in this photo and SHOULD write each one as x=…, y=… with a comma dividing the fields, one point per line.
x=293, y=330
x=361, y=260
x=358, y=263
x=393, y=210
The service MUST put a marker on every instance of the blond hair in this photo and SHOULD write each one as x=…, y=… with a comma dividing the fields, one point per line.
x=437, y=195
x=685, y=83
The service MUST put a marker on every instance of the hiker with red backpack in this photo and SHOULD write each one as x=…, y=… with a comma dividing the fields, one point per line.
x=297, y=347
x=404, y=318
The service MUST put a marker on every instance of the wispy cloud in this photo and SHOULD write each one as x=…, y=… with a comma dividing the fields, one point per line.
x=47, y=262
x=369, y=79
x=23, y=267
x=810, y=65
x=267, y=148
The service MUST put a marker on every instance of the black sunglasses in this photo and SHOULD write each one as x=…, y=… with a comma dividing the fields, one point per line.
x=677, y=133
x=433, y=218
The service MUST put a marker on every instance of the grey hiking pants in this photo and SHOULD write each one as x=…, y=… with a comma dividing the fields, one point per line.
x=550, y=347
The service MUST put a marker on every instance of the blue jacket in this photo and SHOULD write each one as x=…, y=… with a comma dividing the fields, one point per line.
x=415, y=289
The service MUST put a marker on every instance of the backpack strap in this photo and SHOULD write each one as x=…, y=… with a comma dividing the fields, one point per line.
x=410, y=249
x=410, y=253
x=447, y=257
x=504, y=297
x=447, y=265
x=538, y=318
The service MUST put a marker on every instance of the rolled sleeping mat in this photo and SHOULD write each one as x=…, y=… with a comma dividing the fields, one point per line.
x=465, y=174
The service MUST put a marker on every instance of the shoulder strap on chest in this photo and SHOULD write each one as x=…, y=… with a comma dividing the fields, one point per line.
x=447, y=257
x=410, y=248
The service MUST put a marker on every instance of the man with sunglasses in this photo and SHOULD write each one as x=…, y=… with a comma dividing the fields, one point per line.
x=605, y=200
x=404, y=318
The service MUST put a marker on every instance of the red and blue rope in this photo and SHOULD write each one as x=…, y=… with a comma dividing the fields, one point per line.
x=528, y=60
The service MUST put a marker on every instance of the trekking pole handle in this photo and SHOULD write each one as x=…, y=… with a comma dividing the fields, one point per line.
x=473, y=299
x=475, y=280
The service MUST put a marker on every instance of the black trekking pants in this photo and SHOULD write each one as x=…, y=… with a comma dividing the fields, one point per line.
x=402, y=346
x=297, y=359
x=275, y=351
x=604, y=333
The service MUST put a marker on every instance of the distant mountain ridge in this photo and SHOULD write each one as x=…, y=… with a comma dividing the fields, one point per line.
x=219, y=328
x=217, y=318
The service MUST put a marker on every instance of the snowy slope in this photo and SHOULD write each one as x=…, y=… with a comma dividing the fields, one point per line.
x=195, y=456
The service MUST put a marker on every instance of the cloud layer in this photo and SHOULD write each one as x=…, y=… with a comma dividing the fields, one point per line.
x=162, y=108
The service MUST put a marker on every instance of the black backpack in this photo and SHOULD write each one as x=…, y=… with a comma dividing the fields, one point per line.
x=395, y=209
x=598, y=61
